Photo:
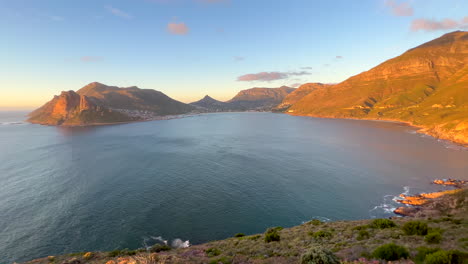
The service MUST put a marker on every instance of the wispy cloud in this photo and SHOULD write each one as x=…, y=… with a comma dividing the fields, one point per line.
x=295, y=85
x=399, y=9
x=339, y=57
x=269, y=76
x=239, y=58
x=178, y=28
x=91, y=59
x=433, y=25
x=306, y=68
x=118, y=12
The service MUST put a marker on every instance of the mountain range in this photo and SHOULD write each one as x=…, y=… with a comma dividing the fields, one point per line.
x=427, y=86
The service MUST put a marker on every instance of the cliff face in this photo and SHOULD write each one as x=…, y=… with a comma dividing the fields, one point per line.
x=97, y=103
x=426, y=86
x=298, y=94
x=259, y=98
x=70, y=108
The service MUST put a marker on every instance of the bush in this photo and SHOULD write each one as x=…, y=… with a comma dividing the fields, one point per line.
x=423, y=252
x=363, y=234
x=361, y=227
x=322, y=234
x=319, y=255
x=212, y=252
x=239, y=235
x=51, y=258
x=159, y=247
x=439, y=257
x=458, y=257
x=315, y=222
x=390, y=252
x=272, y=235
x=382, y=223
x=433, y=238
x=415, y=228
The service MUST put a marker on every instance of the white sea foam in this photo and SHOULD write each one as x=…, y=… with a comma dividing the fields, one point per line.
x=148, y=242
x=11, y=123
x=389, y=204
x=178, y=243
x=321, y=218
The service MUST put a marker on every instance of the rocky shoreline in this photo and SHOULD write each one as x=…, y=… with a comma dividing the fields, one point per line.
x=416, y=203
x=350, y=241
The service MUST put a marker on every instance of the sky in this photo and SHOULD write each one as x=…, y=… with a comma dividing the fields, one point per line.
x=192, y=48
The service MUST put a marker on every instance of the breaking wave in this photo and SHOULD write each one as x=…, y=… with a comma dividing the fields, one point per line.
x=321, y=218
x=389, y=204
x=148, y=242
x=11, y=123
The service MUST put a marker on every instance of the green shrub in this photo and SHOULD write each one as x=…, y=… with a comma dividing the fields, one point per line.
x=390, y=252
x=439, y=257
x=212, y=252
x=382, y=223
x=415, y=228
x=433, y=238
x=322, y=234
x=363, y=234
x=239, y=235
x=458, y=257
x=318, y=255
x=159, y=247
x=316, y=222
x=271, y=236
x=423, y=252
x=361, y=227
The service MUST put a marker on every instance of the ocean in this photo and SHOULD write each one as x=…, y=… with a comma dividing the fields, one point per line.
x=202, y=178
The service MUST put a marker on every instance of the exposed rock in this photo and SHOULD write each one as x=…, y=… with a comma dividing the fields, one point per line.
x=414, y=87
x=450, y=182
x=97, y=103
x=423, y=198
x=406, y=211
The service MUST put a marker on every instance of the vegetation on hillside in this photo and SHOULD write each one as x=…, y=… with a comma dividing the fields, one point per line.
x=438, y=234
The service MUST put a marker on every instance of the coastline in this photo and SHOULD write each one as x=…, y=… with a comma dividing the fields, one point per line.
x=419, y=128
x=348, y=240
x=161, y=118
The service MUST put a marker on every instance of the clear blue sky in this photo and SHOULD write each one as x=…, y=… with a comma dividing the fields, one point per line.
x=190, y=48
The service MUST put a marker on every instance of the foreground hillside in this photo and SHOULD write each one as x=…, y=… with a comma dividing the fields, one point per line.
x=436, y=235
x=426, y=86
x=97, y=103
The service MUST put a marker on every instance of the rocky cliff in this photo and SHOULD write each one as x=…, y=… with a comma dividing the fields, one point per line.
x=426, y=86
x=97, y=103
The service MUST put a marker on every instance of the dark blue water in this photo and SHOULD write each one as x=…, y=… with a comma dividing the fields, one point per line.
x=201, y=178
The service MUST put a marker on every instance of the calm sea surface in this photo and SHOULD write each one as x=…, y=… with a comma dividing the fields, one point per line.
x=202, y=178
